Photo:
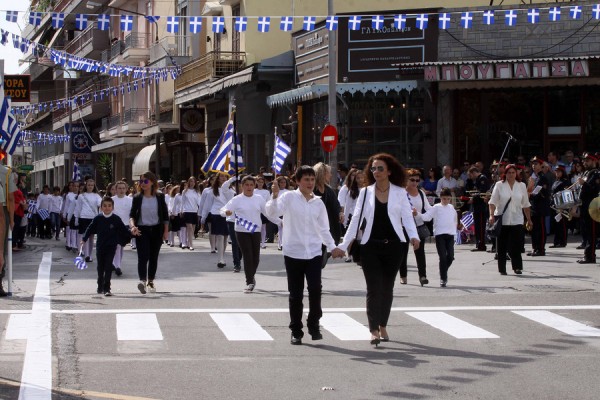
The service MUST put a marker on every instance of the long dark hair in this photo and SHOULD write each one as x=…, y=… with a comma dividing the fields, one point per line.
x=152, y=178
x=351, y=182
x=397, y=173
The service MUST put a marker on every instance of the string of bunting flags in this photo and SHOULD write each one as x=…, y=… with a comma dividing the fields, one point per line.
x=263, y=23
x=34, y=138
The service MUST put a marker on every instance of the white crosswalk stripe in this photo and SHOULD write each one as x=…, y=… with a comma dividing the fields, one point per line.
x=18, y=327
x=560, y=323
x=452, y=325
x=138, y=327
x=344, y=328
x=239, y=327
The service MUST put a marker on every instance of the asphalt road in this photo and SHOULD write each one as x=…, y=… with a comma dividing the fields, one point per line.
x=485, y=336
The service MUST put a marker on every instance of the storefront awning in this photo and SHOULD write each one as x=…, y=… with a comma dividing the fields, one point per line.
x=209, y=88
x=112, y=145
x=141, y=162
x=315, y=91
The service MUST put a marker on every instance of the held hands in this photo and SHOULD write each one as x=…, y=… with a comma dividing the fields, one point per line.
x=338, y=253
x=135, y=231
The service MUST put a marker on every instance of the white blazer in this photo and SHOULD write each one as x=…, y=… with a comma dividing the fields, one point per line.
x=399, y=211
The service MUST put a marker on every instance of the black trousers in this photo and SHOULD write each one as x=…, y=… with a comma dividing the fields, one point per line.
x=445, y=248
x=538, y=233
x=560, y=232
x=510, y=241
x=105, y=268
x=589, y=234
x=480, y=218
x=148, y=247
x=236, y=252
x=380, y=265
x=297, y=270
x=249, y=244
x=419, y=256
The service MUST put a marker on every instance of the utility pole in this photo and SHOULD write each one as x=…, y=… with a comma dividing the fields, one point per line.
x=332, y=76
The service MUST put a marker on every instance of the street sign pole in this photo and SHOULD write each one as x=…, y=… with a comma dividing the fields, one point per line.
x=331, y=101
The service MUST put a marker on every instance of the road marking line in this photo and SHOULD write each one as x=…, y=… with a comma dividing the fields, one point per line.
x=18, y=327
x=36, y=380
x=452, y=325
x=240, y=327
x=138, y=327
x=286, y=310
x=560, y=323
x=344, y=328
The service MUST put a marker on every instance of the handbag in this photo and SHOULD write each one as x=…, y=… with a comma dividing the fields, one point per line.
x=354, y=247
x=424, y=230
x=494, y=229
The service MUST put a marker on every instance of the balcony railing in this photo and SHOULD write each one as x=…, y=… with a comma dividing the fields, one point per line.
x=170, y=46
x=135, y=116
x=116, y=48
x=136, y=41
x=213, y=65
x=97, y=38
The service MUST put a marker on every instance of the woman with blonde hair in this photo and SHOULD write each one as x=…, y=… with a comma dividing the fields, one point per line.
x=329, y=198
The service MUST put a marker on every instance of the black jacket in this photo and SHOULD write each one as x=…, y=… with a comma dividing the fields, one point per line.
x=136, y=208
x=110, y=231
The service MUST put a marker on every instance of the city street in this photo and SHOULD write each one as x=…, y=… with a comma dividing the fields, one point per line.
x=485, y=336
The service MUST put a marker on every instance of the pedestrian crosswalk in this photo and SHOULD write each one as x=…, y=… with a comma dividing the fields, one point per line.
x=241, y=326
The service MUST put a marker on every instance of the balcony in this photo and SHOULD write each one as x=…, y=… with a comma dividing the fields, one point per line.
x=136, y=49
x=90, y=43
x=134, y=120
x=116, y=49
x=88, y=111
x=110, y=126
x=170, y=47
x=213, y=65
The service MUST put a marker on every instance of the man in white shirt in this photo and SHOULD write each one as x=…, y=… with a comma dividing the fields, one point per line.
x=305, y=229
x=447, y=182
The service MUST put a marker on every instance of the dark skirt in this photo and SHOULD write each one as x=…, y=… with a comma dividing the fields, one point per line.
x=218, y=225
x=72, y=223
x=83, y=224
x=190, y=218
x=175, y=223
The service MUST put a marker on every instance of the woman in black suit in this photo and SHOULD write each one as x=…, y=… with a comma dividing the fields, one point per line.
x=149, y=222
x=386, y=213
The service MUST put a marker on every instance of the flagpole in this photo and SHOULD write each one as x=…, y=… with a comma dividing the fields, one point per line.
x=9, y=253
x=235, y=152
x=274, y=149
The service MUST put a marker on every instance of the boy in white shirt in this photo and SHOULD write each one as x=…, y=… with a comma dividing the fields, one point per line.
x=445, y=222
x=122, y=208
x=55, y=206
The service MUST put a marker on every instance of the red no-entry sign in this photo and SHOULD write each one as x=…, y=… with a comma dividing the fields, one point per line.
x=329, y=138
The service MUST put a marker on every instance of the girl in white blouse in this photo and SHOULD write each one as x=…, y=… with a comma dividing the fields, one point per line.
x=510, y=188
x=86, y=208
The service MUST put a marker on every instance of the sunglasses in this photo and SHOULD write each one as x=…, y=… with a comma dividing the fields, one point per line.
x=144, y=181
x=414, y=180
x=379, y=168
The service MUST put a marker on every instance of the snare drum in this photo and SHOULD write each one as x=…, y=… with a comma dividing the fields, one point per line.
x=565, y=199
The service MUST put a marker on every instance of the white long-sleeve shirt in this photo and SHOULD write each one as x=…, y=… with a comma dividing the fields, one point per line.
x=122, y=208
x=520, y=200
x=305, y=224
x=43, y=201
x=225, y=194
x=69, y=204
x=416, y=202
x=55, y=204
x=444, y=217
x=246, y=212
x=87, y=205
x=190, y=201
x=176, y=206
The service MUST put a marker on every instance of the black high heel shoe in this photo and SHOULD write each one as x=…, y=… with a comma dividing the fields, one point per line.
x=423, y=280
x=375, y=340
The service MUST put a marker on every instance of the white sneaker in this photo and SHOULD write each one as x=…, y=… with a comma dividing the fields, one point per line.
x=151, y=287
x=142, y=287
x=249, y=288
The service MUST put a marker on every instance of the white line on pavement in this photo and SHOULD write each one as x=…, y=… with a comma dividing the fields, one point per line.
x=138, y=327
x=240, y=327
x=452, y=325
x=285, y=310
x=560, y=323
x=344, y=328
x=36, y=380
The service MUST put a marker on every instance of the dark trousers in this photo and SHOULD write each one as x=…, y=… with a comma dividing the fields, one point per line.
x=235, y=247
x=105, y=268
x=560, y=232
x=32, y=224
x=55, y=220
x=445, y=248
x=44, y=228
x=538, y=233
x=480, y=218
x=589, y=234
x=18, y=232
x=297, y=270
x=419, y=256
x=380, y=264
x=148, y=247
x=510, y=241
x=250, y=247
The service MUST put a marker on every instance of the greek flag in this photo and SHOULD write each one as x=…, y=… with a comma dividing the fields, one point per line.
x=44, y=214
x=282, y=150
x=76, y=173
x=31, y=208
x=80, y=262
x=467, y=220
x=248, y=225
x=219, y=158
x=9, y=129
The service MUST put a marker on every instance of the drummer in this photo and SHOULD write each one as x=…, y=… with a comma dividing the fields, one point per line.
x=590, y=186
x=561, y=182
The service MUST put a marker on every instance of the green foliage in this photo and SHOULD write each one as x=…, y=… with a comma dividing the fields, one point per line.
x=105, y=168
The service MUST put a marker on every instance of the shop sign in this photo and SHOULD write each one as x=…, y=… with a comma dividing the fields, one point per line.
x=18, y=87
x=507, y=70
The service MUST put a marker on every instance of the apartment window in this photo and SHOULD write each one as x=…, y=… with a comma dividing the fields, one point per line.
x=235, y=35
x=182, y=40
